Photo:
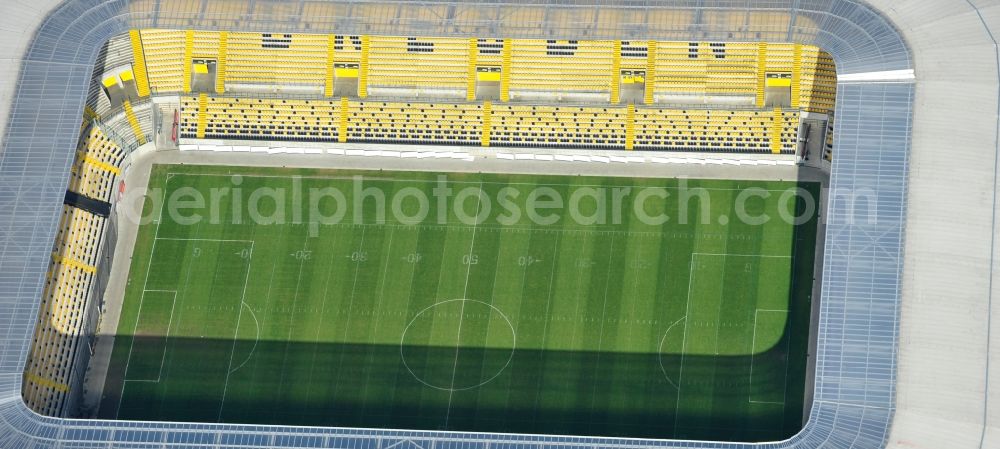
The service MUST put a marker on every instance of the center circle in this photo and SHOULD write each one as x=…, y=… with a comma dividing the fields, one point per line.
x=457, y=344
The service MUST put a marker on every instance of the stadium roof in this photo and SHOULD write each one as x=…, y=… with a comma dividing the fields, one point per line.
x=904, y=348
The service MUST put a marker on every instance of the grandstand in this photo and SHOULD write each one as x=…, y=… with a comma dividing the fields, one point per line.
x=526, y=69
x=540, y=93
x=489, y=92
x=69, y=306
x=364, y=87
x=719, y=97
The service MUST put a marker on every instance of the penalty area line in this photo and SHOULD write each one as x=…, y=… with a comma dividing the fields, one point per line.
x=149, y=266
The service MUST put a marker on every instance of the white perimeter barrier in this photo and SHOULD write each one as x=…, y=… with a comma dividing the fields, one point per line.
x=614, y=159
x=463, y=156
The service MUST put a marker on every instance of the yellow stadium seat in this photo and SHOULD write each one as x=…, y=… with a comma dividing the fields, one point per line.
x=61, y=315
x=532, y=69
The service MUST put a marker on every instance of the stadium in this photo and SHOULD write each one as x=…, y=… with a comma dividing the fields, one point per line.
x=378, y=224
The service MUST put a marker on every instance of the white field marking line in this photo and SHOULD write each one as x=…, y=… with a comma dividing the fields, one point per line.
x=483, y=382
x=687, y=313
x=534, y=229
x=256, y=339
x=322, y=311
x=659, y=354
x=437, y=295
x=753, y=348
x=740, y=255
x=576, y=304
x=385, y=272
x=187, y=277
x=588, y=230
x=239, y=317
x=291, y=316
x=604, y=308
x=718, y=312
x=378, y=305
x=784, y=394
x=350, y=304
x=791, y=286
x=461, y=313
x=149, y=265
x=270, y=283
x=185, y=239
x=659, y=347
x=170, y=320
x=434, y=181
x=489, y=321
x=548, y=306
x=413, y=274
x=635, y=286
x=753, y=351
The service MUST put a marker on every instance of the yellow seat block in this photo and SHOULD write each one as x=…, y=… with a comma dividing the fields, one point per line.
x=488, y=76
x=341, y=72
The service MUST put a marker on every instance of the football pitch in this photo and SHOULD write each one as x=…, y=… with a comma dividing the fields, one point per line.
x=463, y=315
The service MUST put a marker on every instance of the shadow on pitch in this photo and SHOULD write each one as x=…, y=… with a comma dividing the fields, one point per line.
x=527, y=391
x=753, y=397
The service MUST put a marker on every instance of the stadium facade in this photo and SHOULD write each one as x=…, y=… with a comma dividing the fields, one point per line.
x=859, y=344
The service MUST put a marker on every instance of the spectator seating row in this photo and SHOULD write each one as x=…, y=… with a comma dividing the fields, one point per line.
x=60, y=327
x=97, y=164
x=400, y=66
x=490, y=124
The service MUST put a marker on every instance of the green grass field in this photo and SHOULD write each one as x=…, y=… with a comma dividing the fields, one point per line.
x=641, y=330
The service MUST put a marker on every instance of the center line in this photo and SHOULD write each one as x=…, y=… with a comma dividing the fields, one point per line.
x=461, y=313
